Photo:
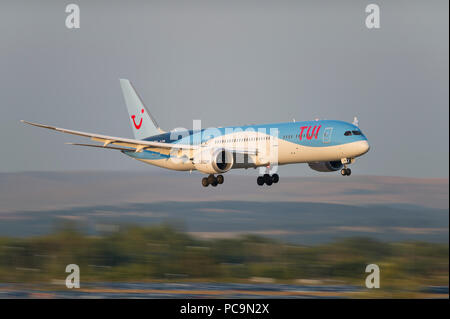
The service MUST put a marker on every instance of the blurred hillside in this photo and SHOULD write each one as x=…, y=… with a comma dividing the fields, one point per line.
x=296, y=210
x=38, y=191
x=295, y=222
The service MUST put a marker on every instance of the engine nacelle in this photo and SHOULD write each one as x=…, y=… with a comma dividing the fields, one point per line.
x=326, y=166
x=213, y=161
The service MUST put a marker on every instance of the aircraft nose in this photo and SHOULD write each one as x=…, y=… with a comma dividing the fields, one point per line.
x=364, y=147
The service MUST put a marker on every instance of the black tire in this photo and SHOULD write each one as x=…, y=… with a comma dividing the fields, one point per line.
x=349, y=172
x=205, y=182
x=267, y=178
x=211, y=179
x=220, y=179
x=269, y=182
x=214, y=183
x=344, y=172
x=260, y=180
x=275, y=178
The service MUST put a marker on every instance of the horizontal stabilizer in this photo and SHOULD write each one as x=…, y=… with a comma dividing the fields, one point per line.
x=101, y=146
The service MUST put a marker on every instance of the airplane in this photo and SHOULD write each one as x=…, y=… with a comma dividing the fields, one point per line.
x=325, y=145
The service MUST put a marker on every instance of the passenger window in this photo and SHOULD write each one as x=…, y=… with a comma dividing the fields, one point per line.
x=356, y=132
x=348, y=133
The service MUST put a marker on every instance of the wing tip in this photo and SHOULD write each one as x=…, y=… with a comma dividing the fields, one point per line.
x=39, y=125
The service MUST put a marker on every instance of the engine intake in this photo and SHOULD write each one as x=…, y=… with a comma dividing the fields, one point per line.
x=331, y=166
x=213, y=161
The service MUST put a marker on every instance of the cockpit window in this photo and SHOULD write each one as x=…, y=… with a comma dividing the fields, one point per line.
x=356, y=132
x=348, y=133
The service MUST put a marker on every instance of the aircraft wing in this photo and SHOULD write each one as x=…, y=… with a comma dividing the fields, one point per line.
x=131, y=144
x=138, y=145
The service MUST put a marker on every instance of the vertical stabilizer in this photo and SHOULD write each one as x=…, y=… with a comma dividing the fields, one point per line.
x=142, y=122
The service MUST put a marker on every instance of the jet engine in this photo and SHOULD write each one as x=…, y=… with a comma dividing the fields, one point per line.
x=331, y=166
x=213, y=161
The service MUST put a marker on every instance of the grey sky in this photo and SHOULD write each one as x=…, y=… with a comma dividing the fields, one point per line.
x=226, y=63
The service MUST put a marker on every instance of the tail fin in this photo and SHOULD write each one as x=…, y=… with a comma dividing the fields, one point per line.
x=142, y=122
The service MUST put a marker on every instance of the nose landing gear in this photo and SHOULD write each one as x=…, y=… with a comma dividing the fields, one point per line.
x=212, y=180
x=346, y=171
x=267, y=179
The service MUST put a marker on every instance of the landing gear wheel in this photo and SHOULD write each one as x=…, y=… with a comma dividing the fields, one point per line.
x=211, y=179
x=205, y=182
x=267, y=178
x=348, y=172
x=220, y=179
x=215, y=183
x=269, y=182
x=343, y=171
x=260, y=180
x=275, y=178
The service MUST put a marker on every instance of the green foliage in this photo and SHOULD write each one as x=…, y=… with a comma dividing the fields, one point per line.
x=163, y=253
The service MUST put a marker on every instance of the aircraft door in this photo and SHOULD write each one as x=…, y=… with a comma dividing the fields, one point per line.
x=327, y=135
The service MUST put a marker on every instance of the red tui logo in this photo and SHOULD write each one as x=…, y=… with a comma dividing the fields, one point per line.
x=309, y=135
x=133, y=117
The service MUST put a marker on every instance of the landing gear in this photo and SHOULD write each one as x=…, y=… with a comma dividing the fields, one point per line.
x=346, y=171
x=267, y=179
x=275, y=178
x=260, y=180
x=212, y=180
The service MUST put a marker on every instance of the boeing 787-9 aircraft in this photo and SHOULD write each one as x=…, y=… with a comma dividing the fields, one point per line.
x=326, y=145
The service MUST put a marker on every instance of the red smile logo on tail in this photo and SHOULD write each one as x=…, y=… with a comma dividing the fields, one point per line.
x=133, y=117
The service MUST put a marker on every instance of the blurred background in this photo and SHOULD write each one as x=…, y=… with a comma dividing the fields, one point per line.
x=162, y=235
x=139, y=231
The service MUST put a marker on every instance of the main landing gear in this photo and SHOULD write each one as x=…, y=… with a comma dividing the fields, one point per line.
x=267, y=179
x=212, y=180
